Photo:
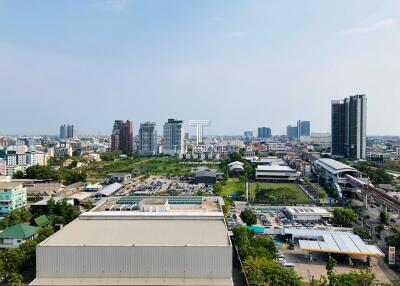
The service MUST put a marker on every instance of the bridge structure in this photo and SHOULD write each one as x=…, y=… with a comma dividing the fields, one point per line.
x=379, y=195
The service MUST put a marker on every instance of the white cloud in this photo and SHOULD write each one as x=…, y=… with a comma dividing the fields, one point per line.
x=383, y=25
x=236, y=34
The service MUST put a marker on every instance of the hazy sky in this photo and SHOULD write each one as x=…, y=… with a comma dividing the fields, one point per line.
x=241, y=64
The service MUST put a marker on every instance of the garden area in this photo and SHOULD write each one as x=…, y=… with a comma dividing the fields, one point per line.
x=277, y=193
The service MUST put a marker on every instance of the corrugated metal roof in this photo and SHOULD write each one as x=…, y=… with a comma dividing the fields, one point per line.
x=110, y=189
x=143, y=232
x=334, y=242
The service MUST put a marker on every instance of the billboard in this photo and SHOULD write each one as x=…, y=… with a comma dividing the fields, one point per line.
x=392, y=255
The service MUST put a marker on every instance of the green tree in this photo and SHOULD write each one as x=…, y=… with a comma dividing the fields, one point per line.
x=383, y=216
x=248, y=217
x=41, y=173
x=18, y=216
x=344, y=217
x=18, y=175
x=217, y=188
x=266, y=272
x=363, y=232
x=330, y=265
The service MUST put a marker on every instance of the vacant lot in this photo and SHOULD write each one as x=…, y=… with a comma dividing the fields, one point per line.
x=277, y=193
x=157, y=166
x=233, y=187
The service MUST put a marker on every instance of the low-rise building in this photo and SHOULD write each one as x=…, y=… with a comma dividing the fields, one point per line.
x=205, y=176
x=12, y=197
x=276, y=173
x=307, y=214
x=118, y=177
x=13, y=236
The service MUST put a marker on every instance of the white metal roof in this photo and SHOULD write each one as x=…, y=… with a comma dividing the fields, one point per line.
x=334, y=166
x=110, y=189
x=141, y=232
x=274, y=168
x=294, y=210
x=333, y=242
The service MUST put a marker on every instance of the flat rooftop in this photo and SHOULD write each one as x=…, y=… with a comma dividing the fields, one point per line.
x=307, y=211
x=149, y=232
x=277, y=168
x=9, y=185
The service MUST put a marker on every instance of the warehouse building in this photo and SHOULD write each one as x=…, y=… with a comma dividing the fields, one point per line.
x=307, y=214
x=140, y=241
x=276, y=173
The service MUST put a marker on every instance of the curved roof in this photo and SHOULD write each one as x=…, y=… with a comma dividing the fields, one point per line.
x=334, y=166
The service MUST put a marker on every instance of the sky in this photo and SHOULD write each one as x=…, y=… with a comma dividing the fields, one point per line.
x=240, y=64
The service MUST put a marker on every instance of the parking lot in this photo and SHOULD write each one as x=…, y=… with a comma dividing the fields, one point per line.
x=157, y=185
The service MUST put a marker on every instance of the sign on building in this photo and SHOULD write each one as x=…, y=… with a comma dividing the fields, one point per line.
x=392, y=255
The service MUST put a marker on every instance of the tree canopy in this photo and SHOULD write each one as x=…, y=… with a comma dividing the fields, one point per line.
x=344, y=217
x=248, y=217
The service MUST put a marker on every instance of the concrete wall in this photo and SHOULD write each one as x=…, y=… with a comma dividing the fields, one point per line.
x=134, y=261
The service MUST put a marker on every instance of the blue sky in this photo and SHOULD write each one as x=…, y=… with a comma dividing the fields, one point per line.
x=241, y=64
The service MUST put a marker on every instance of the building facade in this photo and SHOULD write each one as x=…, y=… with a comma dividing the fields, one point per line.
x=68, y=131
x=303, y=128
x=12, y=197
x=348, y=126
x=292, y=132
x=122, y=137
x=264, y=132
x=148, y=139
x=173, y=137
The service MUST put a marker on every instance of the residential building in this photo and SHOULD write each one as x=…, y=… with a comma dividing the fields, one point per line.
x=303, y=128
x=68, y=131
x=14, y=236
x=292, y=132
x=348, y=123
x=264, y=132
x=122, y=137
x=148, y=139
x=173, y=137
x=12, y=197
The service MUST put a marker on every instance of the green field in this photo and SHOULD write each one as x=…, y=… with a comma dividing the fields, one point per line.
x=277, y=193
x=233, y=187
x=157, y=166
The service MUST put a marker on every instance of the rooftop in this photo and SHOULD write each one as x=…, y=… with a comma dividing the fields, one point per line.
x=333, y=242
x=274, y=168
x=138, y=232
x=9, y=185
x=307, y=210
x=334, y=166
x=19, y=231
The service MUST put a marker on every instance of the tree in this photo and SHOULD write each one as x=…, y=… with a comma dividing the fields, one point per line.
x=72, y=176
x=363, y=232
x=217, y=189
x=384, y=217
x=248, y=217
x=330, y=265
x=344, y=217
x=18, y=216
x=41, y=173
x=18, y=175
x=262, y=271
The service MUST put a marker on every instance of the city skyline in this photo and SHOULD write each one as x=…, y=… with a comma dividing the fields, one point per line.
x=240, y=65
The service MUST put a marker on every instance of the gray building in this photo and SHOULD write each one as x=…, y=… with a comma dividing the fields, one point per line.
x=292, y=132
x=348, y=127
x=68, y=131
x=148, y=139
x=264, y=132
x=303, y=128
x=173, y=137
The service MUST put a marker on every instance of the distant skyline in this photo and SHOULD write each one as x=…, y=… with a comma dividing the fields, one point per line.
x=240, y=64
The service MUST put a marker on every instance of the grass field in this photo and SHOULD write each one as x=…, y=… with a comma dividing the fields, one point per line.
x=278, y=193
x=233, y=187
x=158, y=166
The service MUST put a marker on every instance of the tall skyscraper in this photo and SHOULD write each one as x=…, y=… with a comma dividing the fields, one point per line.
x=173, y=137
x=348, y=126
x=122, y=136
x=264, y=132
x=292, y=132
x=303, y=128
x=148, y=139
x=68, y=131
